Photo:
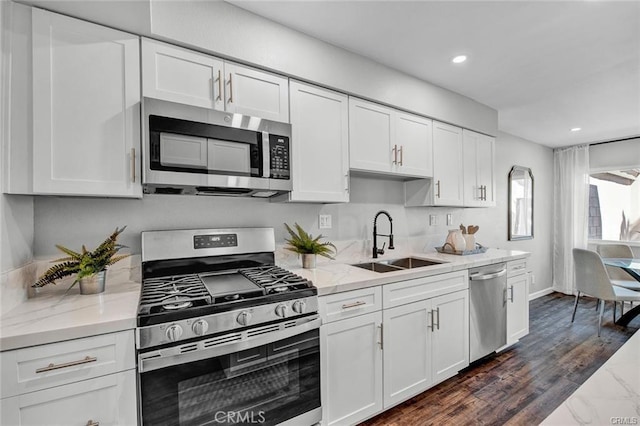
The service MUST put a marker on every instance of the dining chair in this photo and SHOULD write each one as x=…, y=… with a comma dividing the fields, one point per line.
x=592, y=279
x=618, y=276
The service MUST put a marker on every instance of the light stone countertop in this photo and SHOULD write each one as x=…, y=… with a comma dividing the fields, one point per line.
x=51, y=317
x=335, y=277
x=610, y=396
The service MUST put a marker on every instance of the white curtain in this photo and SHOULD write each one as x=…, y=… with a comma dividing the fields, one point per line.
x=570, y=212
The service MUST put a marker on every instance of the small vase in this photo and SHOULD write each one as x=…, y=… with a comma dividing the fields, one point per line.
x=93, y=284
x=308, y=261
x=470, y=240
x=456, y=240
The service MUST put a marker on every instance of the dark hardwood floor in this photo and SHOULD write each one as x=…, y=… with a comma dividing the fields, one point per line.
x=523, y=385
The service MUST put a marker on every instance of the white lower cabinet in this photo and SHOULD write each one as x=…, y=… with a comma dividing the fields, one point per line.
x=351, y=369
x=517, y=307
x=87, y=381
x=106, y=400
x=407, y=351
x=374, y=358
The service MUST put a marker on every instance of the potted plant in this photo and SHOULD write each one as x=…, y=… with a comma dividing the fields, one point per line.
x=89, y=267
x=309, y=247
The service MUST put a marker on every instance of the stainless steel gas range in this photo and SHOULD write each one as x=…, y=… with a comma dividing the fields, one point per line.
x=224, y=336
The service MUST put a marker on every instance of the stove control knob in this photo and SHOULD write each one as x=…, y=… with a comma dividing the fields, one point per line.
x=299, y=307
x=244, y=318
x=281, y=310
x=173, y=332
x=200, y=327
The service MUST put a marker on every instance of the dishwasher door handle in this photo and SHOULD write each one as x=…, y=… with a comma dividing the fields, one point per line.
x=488, y=276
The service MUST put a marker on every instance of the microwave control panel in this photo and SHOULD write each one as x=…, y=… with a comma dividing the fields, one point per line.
x=279, y=154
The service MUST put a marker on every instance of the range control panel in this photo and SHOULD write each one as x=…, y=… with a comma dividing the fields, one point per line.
x=214, y=241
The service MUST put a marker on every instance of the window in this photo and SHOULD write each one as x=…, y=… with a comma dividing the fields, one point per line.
x=614, y=205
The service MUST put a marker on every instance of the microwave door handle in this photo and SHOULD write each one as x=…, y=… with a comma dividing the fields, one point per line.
x=266, y=155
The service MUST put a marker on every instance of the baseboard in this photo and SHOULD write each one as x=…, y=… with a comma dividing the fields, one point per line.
x=540, y=293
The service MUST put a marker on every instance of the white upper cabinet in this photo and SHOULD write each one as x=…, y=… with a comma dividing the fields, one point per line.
x=388, y=141
x=447, y=165
x=181, y=75
x=256, y=93
x=414, y=145
x=479, y=178
x=320, y=148
x=86, y=108
x=371, y=129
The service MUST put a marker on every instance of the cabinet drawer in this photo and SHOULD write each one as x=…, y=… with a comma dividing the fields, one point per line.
x=516, y=267
x=350, y=304
x=41, y=367
x=404, y=292
x=108, y=400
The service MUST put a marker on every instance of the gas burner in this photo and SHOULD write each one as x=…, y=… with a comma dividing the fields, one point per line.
x=231, y=297
x=172, y=293
x=280, y=289
x=177, y=306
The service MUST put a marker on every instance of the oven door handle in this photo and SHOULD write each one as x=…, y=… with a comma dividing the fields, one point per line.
x=197, y=351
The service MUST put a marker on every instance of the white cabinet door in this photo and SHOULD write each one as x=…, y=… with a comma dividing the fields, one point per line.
x=450, y=341
x=320, y=148
x=106, y=400
x=447, y=165
x=257, y=93
x=414, y=145
x=407, y=351
x=371, y=130
x=351, y=356
x=180, y=75
x=517, y=307
x=86, y=108
x=479, y=178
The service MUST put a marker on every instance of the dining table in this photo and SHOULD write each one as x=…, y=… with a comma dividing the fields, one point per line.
x=632, y=267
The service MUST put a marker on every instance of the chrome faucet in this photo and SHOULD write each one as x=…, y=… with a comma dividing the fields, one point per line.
x=376, y=250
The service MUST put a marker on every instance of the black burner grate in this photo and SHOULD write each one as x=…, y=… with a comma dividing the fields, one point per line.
x=171, y=292
x=275, y=279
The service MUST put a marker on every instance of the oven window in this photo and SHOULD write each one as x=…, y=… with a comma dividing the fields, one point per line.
x=263, y=385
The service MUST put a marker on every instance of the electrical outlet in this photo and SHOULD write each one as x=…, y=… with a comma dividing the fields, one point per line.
x=433, y=220
x=325, y=221
x=449, y=219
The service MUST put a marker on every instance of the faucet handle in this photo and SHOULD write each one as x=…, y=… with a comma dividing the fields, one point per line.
x=381, y=250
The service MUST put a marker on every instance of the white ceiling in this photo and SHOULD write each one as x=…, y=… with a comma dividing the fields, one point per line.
x=546, y=66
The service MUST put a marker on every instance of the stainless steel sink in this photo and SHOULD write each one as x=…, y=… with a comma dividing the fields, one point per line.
x=410, y=262
x=378, y=267
x=395, y=265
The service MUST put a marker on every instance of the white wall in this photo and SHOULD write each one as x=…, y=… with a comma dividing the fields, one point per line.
x=75, y=221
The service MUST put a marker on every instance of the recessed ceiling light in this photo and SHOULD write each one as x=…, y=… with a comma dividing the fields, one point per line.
x=459, y=59
x=576, y=129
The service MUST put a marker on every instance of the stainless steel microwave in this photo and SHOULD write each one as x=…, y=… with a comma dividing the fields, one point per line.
x=193, y=150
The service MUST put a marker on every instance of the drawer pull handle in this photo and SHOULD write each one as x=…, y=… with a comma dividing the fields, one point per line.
x=92, y=423
x=518, y=267
x=53, y=366
x=353, y=305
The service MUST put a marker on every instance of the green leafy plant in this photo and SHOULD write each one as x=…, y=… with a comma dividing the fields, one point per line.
x=84, y=263
x=304, y=243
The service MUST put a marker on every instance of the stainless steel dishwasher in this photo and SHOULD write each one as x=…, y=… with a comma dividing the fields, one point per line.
x=487, y=310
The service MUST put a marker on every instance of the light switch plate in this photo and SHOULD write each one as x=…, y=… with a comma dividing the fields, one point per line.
x=325, y=221
x=449, y=219
x=433, y=220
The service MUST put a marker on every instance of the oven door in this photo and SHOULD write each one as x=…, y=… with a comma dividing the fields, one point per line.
x=268, y=378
